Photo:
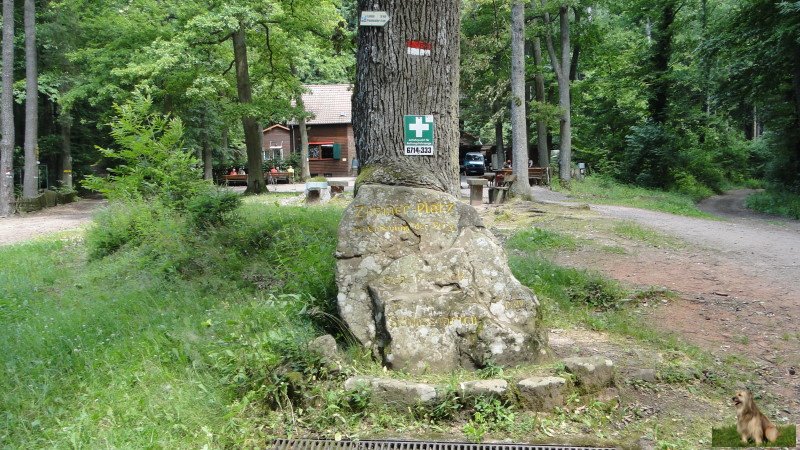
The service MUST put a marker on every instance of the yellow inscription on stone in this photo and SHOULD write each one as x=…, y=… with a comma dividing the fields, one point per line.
x=439, y=322
x=515, y=304
x=382, y=228
x=380, y=210
x=400, y=279
x=435, y=208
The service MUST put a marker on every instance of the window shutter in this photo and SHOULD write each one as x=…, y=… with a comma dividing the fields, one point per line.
x=337, y=151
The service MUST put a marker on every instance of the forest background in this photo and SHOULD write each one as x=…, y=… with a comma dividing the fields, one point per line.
x=685, y=95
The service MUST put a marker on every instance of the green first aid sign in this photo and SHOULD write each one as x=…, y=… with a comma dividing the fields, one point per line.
x=418, y=135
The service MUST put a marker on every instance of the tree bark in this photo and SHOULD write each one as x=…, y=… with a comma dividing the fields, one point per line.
x=207, y=155
x=541, y=125
x=521, y=186
x=305, y=170
x=7, y=114
x=66, y=150
x=30, y=184
x=500, y=149
x=392, y=82
x=252, y=130
x=562, y=75
x=225, y=147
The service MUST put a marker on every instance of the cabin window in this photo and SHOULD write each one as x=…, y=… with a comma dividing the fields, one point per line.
x=324, y=151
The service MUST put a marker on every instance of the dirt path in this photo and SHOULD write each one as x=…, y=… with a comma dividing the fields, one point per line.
x=738, y=281
x=60, y=218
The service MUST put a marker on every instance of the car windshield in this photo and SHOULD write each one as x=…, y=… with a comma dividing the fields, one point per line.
x=473, y=158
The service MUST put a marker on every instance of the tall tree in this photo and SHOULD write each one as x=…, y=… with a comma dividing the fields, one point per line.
x=30, y=185
x=252, y=130
x=543, y=152
x=519, y=129
x=305, y=171
x=7, y=114
x=561, y=69
x=393, y=80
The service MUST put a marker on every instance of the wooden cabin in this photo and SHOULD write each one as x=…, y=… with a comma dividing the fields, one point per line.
x=331, y=145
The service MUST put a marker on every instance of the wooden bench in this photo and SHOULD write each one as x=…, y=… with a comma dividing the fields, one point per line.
x=229, y=179
x=275, y=177
x=498, y=193
x=539, y=175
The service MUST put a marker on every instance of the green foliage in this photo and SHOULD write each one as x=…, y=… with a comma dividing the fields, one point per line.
x=540, y=239
x=489, y=414
x=318, y=179
x=776, y=201
x=150, y=162
x=209, y=348
x=120, y=225
x=650, y=156
x=211, y=209
x=729, y=437
x=567, y=286
x=604, y=190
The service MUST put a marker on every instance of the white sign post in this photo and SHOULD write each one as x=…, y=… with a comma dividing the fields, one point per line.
x=374, y=18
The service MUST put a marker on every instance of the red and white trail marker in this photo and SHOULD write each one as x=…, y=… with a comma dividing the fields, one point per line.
x=419, y=48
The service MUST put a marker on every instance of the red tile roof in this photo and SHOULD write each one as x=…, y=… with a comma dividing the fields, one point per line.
x=329, y=103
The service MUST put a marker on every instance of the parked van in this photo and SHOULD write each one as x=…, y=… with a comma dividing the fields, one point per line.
x=474, y=163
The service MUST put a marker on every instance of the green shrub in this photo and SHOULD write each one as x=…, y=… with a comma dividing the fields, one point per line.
x=150, y=161
x=120, y=225
x=318, y=179
x=209, y=209
x=687, y=184
x=776, y=201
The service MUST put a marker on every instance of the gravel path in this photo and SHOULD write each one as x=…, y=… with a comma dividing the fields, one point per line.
x=60, y=218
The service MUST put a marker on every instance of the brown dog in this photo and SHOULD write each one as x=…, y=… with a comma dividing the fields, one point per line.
x=750, y=423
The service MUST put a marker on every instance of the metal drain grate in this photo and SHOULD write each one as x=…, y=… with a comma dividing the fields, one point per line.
x=311, y=444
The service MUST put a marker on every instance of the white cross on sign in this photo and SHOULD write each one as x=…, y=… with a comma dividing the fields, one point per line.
x=419, y=127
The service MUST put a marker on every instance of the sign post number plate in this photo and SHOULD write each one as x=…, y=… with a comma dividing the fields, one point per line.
x=418, y=135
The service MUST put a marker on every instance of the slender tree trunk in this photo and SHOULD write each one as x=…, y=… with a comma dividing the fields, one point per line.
x=225, y=147
x=500, y=149
x=541, y=125
x=408, y=67
x=662, y=53
x=576, y=48
x=252, y=130
x=66, y=150
x=305, y=170
x=562, y=75
x=7, y=114
x=30, y=184
x=208, y=167
x=521, y=186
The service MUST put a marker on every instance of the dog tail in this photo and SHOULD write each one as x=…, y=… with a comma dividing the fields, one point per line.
x=771, y=433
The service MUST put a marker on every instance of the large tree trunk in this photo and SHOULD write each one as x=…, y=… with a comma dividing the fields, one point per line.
x=7, y=114
x=66, y=150
x=541, y=124
x=522, y=186
x=30, y=185
x=562, y=75
x=305, y=170
x=252, y=130
x=391, y=83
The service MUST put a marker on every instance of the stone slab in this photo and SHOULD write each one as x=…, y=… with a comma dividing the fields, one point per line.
x=426, y=286
x=542, y=393
x=592, y=373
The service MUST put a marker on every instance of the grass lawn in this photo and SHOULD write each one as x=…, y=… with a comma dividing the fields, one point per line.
x=728, y=437
x=602, y=190
x=146, y=348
